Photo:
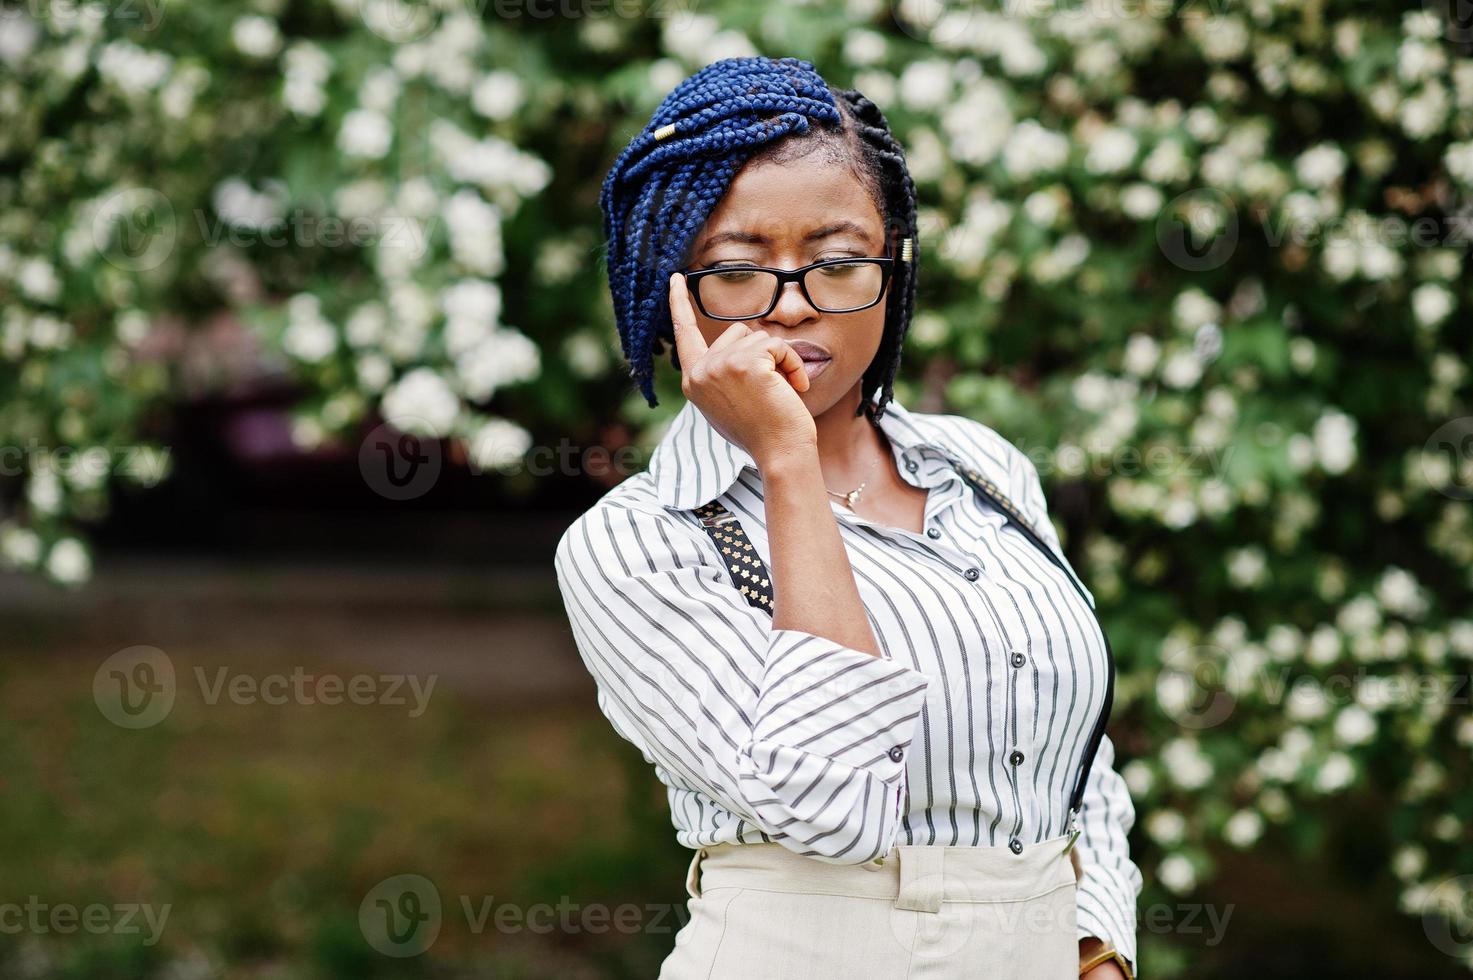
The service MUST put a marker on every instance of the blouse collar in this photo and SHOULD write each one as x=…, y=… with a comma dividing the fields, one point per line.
x=694, y=464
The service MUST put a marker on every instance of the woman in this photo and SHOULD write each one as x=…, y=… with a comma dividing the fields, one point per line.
x=840, y=630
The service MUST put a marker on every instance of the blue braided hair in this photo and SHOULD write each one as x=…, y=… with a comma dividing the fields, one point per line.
x=664, y=185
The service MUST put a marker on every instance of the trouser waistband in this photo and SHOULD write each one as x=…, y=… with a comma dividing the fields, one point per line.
x=911, y=876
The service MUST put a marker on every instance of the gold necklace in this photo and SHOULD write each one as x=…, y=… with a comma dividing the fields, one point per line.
x=852, y=497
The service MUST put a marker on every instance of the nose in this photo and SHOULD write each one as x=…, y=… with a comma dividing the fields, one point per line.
x=792, y=309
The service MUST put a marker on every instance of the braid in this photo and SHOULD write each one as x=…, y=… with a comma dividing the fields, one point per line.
x=885, y=160
x=664, y=185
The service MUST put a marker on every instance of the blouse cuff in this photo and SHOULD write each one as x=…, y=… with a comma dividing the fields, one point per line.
x=1106, y=909
x=827, y=700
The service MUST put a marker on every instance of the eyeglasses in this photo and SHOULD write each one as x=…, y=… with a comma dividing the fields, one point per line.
x=749, y=292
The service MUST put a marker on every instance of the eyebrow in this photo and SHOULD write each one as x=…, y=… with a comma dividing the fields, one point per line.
x=753, y=238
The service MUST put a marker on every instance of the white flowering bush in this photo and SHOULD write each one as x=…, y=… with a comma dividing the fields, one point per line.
x=1206, y=264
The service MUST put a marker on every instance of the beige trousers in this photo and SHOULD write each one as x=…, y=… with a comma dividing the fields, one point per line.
x=762, y=912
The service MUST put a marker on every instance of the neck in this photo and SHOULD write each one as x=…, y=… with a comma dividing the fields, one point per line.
x=848, y=444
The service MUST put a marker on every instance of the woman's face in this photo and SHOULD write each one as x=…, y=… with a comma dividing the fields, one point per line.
x=785, y=216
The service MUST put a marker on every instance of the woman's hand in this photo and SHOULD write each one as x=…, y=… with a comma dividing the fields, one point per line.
x=746, y=383
x=1108, y=970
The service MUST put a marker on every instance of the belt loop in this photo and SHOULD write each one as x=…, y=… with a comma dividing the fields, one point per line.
x=693, y=874
x=922, y=878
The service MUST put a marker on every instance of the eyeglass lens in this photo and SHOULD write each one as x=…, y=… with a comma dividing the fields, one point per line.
x=833, y=289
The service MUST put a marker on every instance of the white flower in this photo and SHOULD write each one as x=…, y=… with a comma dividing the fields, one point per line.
x=474, y=226
x=1247, y=567
x=37, y=279
x=1408, y=861
x=1459, y=161
x=1185, y=764
x=1110, y=151
x=1141, y=201
x=1166, y=827
x=1354, y=725
x=373, y=371
x=1177, y=874
x=307, y=67
x=69, y=562
x=498, y=95
x=1324, y=646
x=1142, y=352
x=1399, y=592
x=380, y=89
x=310, y=339
x=1321, y=166
x=473, y=300
x=1335, y=773
x=132, y=69
x=18, y=39
x=1334, y=441
x=864, y=47
x=498, y=444
x=978, y=124
x=1243, y=828
x=365, y=327
x=926, y=85
x=1193, y=309
x=505, y=357
x=20, y=546
x=1138, y=777
x=1167, y=163
x=43, y=491
x=365, y=134
x=1031, y=149
x=421, y=403
x=1182, y=369
x=1417, y=60
x=256, y=37
x=1431, y=303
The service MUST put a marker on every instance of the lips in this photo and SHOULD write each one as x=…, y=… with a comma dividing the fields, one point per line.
x=815, y=358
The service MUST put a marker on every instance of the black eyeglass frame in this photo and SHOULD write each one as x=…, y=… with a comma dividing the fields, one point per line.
x=785, y=276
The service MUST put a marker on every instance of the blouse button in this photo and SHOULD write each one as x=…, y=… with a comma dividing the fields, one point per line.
x=896, y=753
x=933, y=532
x=1016, y=846
x=1018, y=659
x=971, y=574
x=912, y=465
x=1016, y=758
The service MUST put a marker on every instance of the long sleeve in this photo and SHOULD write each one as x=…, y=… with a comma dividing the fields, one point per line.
x=804, y=737
x=1111, y=882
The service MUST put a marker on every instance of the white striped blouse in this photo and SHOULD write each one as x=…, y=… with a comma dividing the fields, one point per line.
x=968, y=731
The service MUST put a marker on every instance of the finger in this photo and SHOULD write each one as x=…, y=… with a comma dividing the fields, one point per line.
x=689, y=344
x=737, y=331
x=786, y=361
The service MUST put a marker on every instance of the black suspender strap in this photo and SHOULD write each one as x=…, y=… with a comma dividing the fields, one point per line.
x=751, y=577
